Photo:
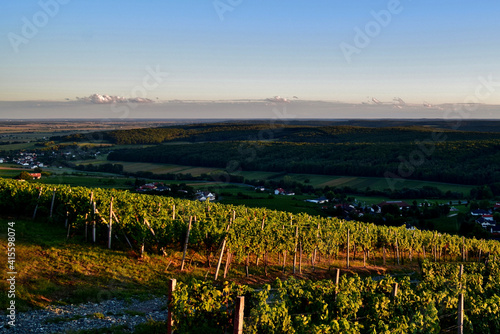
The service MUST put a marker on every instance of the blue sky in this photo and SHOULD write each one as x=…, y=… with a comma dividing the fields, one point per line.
x=429, y=50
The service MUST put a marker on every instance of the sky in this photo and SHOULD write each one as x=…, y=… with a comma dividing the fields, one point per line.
x=350, y=51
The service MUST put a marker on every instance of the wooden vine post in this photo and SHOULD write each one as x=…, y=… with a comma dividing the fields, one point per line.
x=460, y=274
x=229, y=257
x=238, y=315
x=220, y=259
x=284, y=256
x=37, y=201
x=313, y=258
x=394, y=290
x=93, y=222
x=52, y=203
x=296, y=245
x=86, y=226
x=110, y=222
x=337, y=281
x=460, y=321
x=300, y=257
x=348, y=246
x=67, y=225
x=170, y=319
x=186, y=243
x=221, y=252
x=397, y=247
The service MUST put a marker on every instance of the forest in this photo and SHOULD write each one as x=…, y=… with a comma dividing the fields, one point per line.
x=472, y=162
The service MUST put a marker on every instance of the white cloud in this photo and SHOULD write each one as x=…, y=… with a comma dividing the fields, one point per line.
x=107, y=99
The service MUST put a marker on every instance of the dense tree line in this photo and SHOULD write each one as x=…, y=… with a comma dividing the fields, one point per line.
x=295, y=132
x=463, y=162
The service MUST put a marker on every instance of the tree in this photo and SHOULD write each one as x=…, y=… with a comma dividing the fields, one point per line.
x=330, y=195
x=24, y=176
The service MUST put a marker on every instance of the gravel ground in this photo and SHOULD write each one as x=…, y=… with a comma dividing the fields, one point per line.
x=61, y=319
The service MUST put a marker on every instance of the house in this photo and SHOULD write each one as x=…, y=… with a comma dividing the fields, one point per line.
x=147, y=187
x=488, y=218
x=280, y=191
x=36, y=176
x=156, y=186
x=484, y=222
x=203, y=196
x=320, y=200
x=479, y=212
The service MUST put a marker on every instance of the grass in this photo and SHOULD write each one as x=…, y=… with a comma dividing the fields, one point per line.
x=52, y=270
x=18, y=146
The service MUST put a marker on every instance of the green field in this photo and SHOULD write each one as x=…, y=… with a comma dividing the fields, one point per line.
x=134, y=167
x=317, y=181
x=17, y=146
x=8, y=170
x=375, y=183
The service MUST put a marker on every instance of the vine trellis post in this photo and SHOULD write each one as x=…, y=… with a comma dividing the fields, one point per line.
x=37, y=201
x=110, y=226
x=52, y=203
x=222, y=251
x=186, y=242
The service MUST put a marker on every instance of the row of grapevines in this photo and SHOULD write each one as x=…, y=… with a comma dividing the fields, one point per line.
x=355, y=305
x=157, y=221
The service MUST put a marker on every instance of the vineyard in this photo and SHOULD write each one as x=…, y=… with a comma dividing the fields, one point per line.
x=256, y=237
x=351, y=304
